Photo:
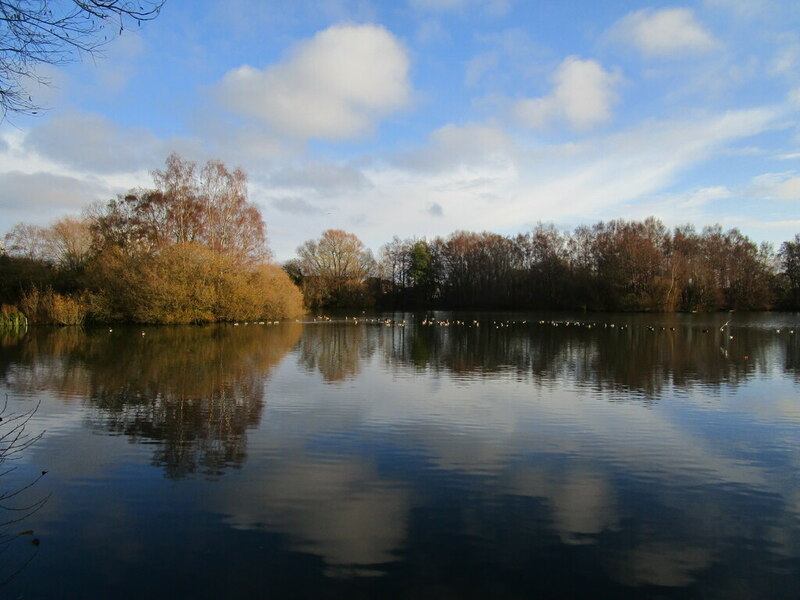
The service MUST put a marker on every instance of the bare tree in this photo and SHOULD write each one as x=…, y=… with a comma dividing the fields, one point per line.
x=71, y=242
x=335, y=269
x=206, y=206
x=54, y=32
x=29, y=241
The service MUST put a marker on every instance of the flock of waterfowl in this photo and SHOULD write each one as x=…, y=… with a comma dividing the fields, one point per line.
x=475, y=323
x=501, y=324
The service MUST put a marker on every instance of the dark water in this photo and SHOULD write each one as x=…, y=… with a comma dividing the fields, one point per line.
x=658, y=458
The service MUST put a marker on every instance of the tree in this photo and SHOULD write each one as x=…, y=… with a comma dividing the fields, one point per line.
x=335, y=269
x=790, y=262
x=544, y=267
x=191, y=250
x=14, y=509
x=26, y=240
x=476, y=270
x=70, y=243
x=206, y=206
x=422, y=273
x=53, y=32
x=393, y=266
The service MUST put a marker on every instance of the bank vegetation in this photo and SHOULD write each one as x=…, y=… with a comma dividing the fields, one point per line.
x=618, y=265
x=191, y=249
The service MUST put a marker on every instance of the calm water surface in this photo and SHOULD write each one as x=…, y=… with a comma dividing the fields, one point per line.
x=658, y=458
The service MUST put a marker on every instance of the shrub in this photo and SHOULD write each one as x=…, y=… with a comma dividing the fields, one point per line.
x=44, y=306
x=189, y=283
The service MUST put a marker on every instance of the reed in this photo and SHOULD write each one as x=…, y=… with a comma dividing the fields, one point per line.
x=12, y=320
x=46, y=307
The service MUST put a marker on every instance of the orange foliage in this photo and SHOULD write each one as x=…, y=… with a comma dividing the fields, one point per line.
x=190, y=283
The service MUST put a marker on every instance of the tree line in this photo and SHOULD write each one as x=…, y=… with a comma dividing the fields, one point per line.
x=622, y=265
x=190, y=249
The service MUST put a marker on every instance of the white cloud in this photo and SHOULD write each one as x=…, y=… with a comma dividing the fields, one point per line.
x=785, y=62
x=454, y=147
x=43, y=197
x=91, y=142
x=297, y=206
x=794, y=97
x=334, y=86
x=481, y=178
x=356, y=521
x=324, y=178
x=601, y=178
x=776, y=186
x=583, y=95
x=667, y=33
x=629, y=166
x=480, y=65
x=36, y=188
x=703, y=196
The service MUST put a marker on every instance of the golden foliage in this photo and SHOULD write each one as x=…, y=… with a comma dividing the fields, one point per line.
x=190, y=283
x=47, y=306
x=11, y=319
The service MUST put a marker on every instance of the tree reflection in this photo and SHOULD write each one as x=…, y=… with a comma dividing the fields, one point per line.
x=16, y=505
x=791, y=343
x=336, y=349
x=639, y=358
x=196, y=390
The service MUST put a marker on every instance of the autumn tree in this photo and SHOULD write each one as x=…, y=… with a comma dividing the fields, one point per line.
x=193, y=249
x=24, y=261
x=26, y=240
x=790, y=264
x=393, y=265
x=70, y=243
x=54, y=32
x=44, y=262
x=478, y=269
x=544, y=266
x=410, y=271
x=335, y=269
x=629, y=258
x=206, y=206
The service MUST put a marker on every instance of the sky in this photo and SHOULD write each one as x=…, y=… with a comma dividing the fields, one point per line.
x=419, y=118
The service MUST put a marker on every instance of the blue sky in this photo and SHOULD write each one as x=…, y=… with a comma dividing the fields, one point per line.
x=422, y=117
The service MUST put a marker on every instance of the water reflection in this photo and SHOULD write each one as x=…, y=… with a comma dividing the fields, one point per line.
x=196, y=390
x=644, y=356
x=341, y=510
x=513, y=459
x=336, y=350
x=19, y=500
x=582, y=501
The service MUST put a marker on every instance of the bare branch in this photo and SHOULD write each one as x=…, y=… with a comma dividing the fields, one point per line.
x=54, y=32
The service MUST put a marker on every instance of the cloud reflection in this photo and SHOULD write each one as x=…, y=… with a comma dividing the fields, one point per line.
x=339, y=510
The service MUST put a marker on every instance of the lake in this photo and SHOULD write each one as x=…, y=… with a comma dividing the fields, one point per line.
x=436, y=455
